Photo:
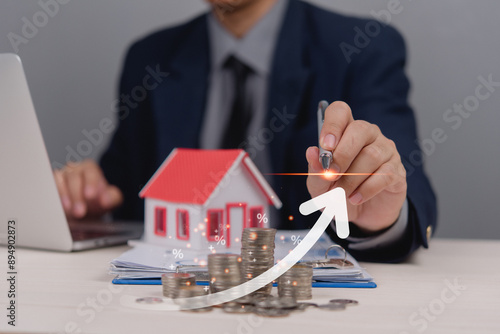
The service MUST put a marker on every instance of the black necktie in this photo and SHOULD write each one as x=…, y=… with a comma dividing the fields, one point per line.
x=241, y=110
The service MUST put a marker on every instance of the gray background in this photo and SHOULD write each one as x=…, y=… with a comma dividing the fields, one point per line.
x=73, y=62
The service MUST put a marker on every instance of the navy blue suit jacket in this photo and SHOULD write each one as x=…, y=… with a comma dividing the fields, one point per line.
x=309, y=65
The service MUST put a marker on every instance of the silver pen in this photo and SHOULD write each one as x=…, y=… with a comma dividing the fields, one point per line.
x=325, y=157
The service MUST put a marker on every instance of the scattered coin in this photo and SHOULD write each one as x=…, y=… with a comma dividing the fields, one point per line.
x=198, y=310
x=272, y=312
x=149, y=300
x=306, y=305
x=332, y=307
x=269, y=302
x=237, y=308
x=345, y=301
x=288, y=302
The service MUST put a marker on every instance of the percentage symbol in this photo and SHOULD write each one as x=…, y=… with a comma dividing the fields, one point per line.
x=262, y=219
x=178, y=253
x=296, y=239
x=220, y=240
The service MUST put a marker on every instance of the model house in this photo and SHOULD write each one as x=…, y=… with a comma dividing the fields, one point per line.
x=203, y=199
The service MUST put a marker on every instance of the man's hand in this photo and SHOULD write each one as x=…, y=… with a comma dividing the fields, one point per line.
x=84, y=191
x=374, y=201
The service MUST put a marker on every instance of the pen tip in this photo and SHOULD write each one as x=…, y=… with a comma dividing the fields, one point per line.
x=325, y=163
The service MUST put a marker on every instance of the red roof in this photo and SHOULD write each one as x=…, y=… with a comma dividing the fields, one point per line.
x=190, y=176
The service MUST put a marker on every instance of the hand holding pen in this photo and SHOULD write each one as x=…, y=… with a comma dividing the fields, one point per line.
x=364, y=163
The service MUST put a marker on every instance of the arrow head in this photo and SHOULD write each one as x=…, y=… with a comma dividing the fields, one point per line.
x=335, y=205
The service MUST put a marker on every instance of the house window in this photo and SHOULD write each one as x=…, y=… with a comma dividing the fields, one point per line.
x=254, y=220
x=182, y=225
x=214, y=224
x=160, y=221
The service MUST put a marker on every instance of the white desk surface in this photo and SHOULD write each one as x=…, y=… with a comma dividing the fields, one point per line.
x=412, y=297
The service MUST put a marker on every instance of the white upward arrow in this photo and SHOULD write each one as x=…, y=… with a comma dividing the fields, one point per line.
x=335, y=205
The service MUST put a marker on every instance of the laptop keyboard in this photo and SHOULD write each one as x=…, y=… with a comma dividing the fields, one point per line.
x=80, y=235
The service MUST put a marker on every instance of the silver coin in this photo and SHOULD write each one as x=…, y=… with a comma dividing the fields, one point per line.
x=198, y=310
x=149, y=300
x=258, y=296
x=332, y=307
x=224, y=271
x=345, y=301
x=237, y=308
x=306, y=305
x=245, y=300
x=271, y=312
x=288, y=302
x=268, y=303
x=296, y=282
x=299, y=308
x=171, y=283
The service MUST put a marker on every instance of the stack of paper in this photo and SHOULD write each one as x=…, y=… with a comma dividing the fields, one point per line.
x=145, y=263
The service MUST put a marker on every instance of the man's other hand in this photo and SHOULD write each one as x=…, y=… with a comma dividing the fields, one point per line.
x=375, y=199
x=84, y=191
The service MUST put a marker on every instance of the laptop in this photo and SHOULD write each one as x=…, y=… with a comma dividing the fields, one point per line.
x=30, y=208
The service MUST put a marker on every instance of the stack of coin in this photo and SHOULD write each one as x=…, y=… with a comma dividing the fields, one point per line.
x=257, y=253
x=185, y=298
x=171, y=283
x=296, y=282
x=224, y=271
x=275, y=306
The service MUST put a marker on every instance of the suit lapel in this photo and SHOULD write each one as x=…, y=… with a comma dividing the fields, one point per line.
x=289, y=81
x=180, y=102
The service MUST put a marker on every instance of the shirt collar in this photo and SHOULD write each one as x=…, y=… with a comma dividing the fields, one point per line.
x=256, y=48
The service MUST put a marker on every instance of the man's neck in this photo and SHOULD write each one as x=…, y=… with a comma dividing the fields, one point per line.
x=240, y=20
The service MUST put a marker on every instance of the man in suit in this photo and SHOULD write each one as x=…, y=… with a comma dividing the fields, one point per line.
x=261, y=67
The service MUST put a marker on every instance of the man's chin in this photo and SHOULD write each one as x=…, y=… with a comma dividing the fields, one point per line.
x=229, y=4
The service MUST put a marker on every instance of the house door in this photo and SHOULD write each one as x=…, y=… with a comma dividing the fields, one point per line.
x=236, y=214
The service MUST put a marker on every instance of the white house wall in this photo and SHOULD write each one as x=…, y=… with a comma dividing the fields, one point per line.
x=237, y=187
x=170, y=240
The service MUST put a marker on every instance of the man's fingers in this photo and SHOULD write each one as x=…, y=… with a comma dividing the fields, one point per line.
x=94, y=181
x=63, y=191
x=84, y=190
x=111, y=197
x=74, y=181
x=356, y=137
x=337, y=117
x=386, y=178
x=369, y=159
